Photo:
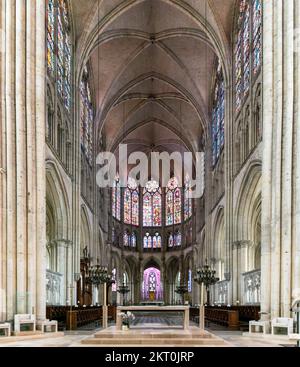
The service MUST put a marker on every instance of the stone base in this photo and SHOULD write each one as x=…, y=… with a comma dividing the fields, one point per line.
x=192, y=337
x=280, y=339
x=28, y=336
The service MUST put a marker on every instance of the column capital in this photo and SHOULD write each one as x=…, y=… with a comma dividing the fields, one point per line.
x=242, y=243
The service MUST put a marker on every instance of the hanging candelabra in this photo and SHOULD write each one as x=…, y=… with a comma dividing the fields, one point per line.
x=207, y=276
x=181, y=289
x=123, y=289
x=98, y=274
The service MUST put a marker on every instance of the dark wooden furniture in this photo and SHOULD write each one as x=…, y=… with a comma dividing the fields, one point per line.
x=224, y=317
x=76, y=317
x=245, y=314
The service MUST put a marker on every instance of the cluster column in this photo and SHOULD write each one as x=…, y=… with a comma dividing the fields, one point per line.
x=22, y=159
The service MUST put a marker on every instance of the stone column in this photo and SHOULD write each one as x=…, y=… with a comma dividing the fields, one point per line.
x=279, y=179
x=296, y=178
x=23, y=222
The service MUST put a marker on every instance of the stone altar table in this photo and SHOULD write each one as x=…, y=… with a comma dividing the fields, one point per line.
x=161, y=309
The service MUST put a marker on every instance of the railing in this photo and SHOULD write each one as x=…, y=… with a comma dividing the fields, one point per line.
x=252, y=281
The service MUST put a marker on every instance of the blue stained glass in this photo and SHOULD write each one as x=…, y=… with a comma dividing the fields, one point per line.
x=218, y=115
x=86, y=117
x=257, y=21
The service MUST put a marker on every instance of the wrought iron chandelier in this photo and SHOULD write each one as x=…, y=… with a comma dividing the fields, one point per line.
x=123, y=289
x=98, y=274
x=207, y=276
x=181, y=289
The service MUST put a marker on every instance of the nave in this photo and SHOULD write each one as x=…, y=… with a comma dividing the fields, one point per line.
x=194, y=105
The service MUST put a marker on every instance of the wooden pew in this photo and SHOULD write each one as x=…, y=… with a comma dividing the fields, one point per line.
x=229, y=318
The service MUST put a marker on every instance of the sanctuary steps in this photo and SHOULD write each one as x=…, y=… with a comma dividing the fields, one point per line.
x=148, y=337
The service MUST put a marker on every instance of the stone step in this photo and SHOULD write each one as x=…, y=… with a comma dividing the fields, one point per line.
x=150, y=342
x=126, y=336
x=27, y=333
x=19, y=338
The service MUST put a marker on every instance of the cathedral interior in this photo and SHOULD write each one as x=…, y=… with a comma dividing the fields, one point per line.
x=215, y=77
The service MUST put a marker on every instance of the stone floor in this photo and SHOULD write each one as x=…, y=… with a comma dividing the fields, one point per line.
x=74, y=339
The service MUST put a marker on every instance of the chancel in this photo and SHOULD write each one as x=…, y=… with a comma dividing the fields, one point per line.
x=194, y=238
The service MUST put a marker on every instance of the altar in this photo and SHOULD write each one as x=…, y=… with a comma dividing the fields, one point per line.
x=156, y=309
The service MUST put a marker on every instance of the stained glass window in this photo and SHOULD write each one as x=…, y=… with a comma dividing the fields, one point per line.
x=174, y=240
x=126, y=239
x=64, y=53
x=171, y=240
x=173, y=203
x=190, y=281
x=187, y=199
x=133, y=240
x=147, y=241
x=59, y=48
x=248, y=47
x=152, y=205
x=177, y=237
x=86, y=116
x=114, y=277
x=257, y=22
x=129, y=240
x=218, y=115
x=116, y=199
x=156, y=241
x=152, y=282
x=51, y=37
x=131, y=203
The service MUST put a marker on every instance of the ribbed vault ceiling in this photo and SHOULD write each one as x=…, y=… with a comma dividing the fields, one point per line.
x=152, y=63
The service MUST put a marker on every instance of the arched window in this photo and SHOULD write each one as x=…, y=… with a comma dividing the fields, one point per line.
x=147, y=241
x=64, y=53
x=86, y=116
x=114, y=277
x=257, y=21
x=59, y=49
x=177, y=239
x=152, y=205
x=190, y=281
x=116, y=199
x=129, y=240
x=173, y=203
x=126, y=239
x=170, y=241
x=156, y=241
x=218, y=115
x=51, y=37
x=248, y=47
x=133, y=240
x=50, y=115
x=187, y=199
x=59, y=134
x=131, y=203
